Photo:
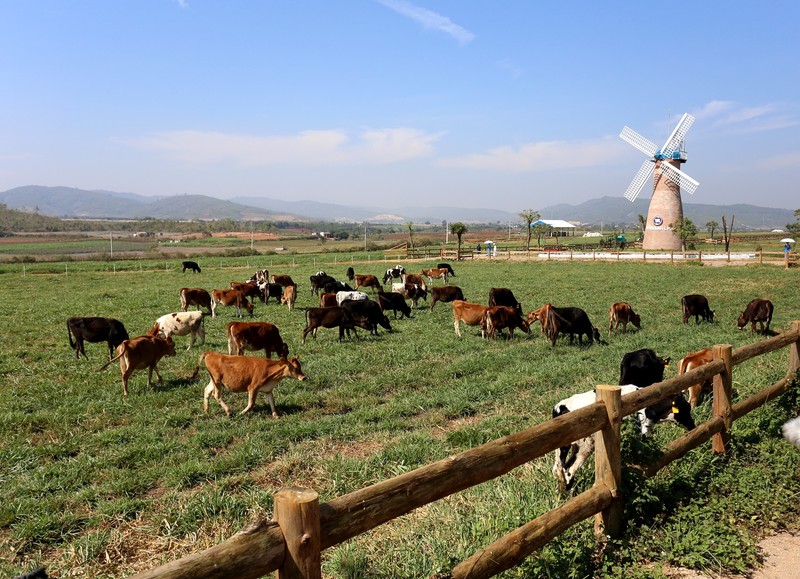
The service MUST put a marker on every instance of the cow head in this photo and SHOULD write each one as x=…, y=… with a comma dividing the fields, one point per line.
x=742, y=321
x=636, y=320
x=155, y=330
x=675, y=409
x=384, y=322
x=292, y=368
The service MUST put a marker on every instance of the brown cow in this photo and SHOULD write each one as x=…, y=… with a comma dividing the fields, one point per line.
x=289, y=296
x=691, y=362
x=622, y=313
x=696, y=305
x=470, y=314
x=541, y=315
x=255, y=336
x=246, y=374
x=195, y=297
x=140, y=353
x=248, y=288
x=415, y=279
x=367, y=281
x=335, y=317
x=436, y=273
x=327, y=300
x=283, y=280
x=497, y=318
x=759, y=311
x=230, y=298
x=446, y=293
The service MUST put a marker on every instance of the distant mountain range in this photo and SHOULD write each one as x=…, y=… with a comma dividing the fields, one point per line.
x=68, y=202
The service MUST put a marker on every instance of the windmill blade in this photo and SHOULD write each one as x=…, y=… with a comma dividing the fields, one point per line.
x=646, y=146
x=678, y=177
x=639, y=180
x=677, y=136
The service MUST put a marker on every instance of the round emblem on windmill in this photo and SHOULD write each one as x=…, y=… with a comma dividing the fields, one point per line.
x=657, y=220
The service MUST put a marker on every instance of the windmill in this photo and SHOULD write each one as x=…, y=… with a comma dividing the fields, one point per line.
x=668, y=180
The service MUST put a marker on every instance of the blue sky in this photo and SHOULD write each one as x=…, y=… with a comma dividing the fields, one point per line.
x=506, y=104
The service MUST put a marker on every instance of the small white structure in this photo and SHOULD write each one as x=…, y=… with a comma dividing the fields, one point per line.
x=560, y=227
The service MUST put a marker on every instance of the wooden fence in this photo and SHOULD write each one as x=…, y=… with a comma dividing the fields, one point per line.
x=292, y=543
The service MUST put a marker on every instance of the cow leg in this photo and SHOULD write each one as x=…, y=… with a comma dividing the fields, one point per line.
x=458, y=330
x=201, y=331
x=213, y=390
x=585, y=448
x=214, y=309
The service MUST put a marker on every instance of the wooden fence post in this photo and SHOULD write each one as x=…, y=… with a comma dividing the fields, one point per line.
x=721, y=405
x=608, y=462
x=297, y=515
x=794, y=350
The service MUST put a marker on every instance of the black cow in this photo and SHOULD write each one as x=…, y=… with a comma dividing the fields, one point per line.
x=271, y=290
x=642, y=368
x=447, y=266
x=95, y=330
x=333, y=317
x=446, y=293
x=370, y=310
x=337, y=286
x=319, y=281
x=696, y=305
x=756, y=311
x=394, y=301
x=190, y=265
x=350, y=273
x=570, y=321
x=500, y=296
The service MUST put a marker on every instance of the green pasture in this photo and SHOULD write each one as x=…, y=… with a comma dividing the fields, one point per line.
x=96, y=486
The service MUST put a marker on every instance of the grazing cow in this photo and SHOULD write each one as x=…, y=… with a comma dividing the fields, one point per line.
x=195, y=297
x=622, y=313
x=230, y=298
x=497, y=318
x=642, y=368
x=255, y=336
x=190, y=265
x=394, y=272
x=350, y=274
x=446, y=266
x=337, y=286
x=696, y=305
x=470, y=314
x=415, y=279
x=393, y=301
x=181, y=324
x=540, y=314
x=370, y=310
x=243, y=374
x=436, y=273
x=568, y=459
x=271, y=290
x=319, y=280
x=570, y=321
x=140, y=353
x=260, y=278
x=249, y=288
x=446, y=293
x=327, y=300
x=95, y=330
x=282, y=280
x=411, y=291
x=691, y=362
x=368, y=281
x=289, y=296
x=354, y=295
x=500, y=296
x=756, y=311
x=332, y=318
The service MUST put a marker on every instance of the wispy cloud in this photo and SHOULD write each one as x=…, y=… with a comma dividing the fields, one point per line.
x=786, y=161
x=732, y=118
x=541, y=156
x=308, y=148
x=183, y=3
x=513, y=69
x=429, y=19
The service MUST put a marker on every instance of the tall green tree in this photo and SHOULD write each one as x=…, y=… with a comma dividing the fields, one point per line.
x=528, y=217
x=458, y=229
x=794, y=228
x=712, y=226
x=685, y=230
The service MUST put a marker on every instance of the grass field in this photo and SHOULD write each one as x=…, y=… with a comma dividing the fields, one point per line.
x=97, y=486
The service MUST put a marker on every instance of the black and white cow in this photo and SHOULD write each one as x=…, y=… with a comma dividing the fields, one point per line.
x=394, y=272
x=642, y=368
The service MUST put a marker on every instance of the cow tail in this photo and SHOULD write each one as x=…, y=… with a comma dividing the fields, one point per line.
x=197, y=368
x=69, y=335
x=123, y=348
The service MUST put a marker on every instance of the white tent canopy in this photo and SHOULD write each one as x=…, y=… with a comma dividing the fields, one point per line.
x=555, y=223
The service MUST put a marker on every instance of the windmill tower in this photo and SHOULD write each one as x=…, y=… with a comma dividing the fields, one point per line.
x=666, y=208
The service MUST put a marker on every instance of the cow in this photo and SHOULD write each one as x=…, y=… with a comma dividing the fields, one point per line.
x=368, y=281
x=282, y=280
x=759, y=311
x=445, y=265
x=181, y=324
x=190, y=265
x=195, y=297
x=622, y=313
x=354, y=295
x=791, y=431
x=230, y=298
x=260, y=277
x=414, y=278
x=393, y=301
x=93, y=330
x=249, y=288
x=497, y=318
x=500, y=296
x=138, y=354
x=337, y=286
x=446, y=293
x=271, y=290
x=642, y=368
x=539, y=314
x=319, y=280
x=332, y=318
x=370, y=310
x=289, y=296
x=246, y=374
x=255, y=336
x=470, y=314
x=350, y=274
x=570, y=321
x=691, y=362
x=568, y=459
x=436, y=273
x=394, y=272
x=327, y=300
x=696, y=305
x=411, y=291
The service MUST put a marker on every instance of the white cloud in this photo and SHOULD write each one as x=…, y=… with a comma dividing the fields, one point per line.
x=732, y=118
x=183, y=3
x=429, y=19
x=542, y=156
x=786, y=161
x=308, y=148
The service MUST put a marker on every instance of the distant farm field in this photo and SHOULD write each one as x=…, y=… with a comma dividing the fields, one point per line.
x=96, y=486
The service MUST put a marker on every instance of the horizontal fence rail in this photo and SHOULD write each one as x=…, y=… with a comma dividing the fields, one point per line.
x=291, y=545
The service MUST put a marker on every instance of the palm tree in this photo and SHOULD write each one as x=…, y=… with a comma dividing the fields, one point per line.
x=712, y=226
x=458, y=229
x=529, y=216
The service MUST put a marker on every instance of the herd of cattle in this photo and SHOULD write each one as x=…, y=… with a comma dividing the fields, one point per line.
x=343, y=306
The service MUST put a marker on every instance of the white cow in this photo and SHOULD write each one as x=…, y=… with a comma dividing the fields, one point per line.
x=181, y=324
x=355, y=296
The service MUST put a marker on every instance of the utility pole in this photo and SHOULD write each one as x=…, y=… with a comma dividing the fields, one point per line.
x=365, y=237
x=111, y=240
x=446, y=233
